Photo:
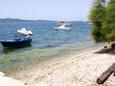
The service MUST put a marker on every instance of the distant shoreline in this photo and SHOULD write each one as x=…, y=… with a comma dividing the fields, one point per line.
x=27, y=20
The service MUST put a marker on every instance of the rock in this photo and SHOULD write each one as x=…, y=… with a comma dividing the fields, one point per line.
x=108, y=48
x=105, y=46
x=104, y=50
x=25, y=83
x=112, y=45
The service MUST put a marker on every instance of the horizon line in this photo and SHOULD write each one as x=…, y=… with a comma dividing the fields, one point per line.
x=41, y=19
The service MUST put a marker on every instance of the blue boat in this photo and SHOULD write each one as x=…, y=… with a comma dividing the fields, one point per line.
x=16, y=42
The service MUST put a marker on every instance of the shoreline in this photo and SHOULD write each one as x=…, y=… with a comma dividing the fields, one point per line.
x=12, y=63
x=59, y=57
x=72, y=69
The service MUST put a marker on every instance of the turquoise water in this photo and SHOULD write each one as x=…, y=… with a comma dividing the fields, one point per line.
x=46, y=43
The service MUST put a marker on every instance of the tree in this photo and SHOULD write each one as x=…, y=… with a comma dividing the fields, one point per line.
x=102, y=18
x=97, y=15
x=108, y=25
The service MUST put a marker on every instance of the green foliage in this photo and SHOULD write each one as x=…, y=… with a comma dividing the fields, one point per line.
x=97, y=13
x=102, y=17
x=97, y=35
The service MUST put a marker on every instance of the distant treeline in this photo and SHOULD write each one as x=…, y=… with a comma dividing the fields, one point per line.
x=21, y=20
x=102, y=17
x=54, y=21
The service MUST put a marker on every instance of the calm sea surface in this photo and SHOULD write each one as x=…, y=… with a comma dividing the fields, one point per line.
x=44, y=34
x=46, y=42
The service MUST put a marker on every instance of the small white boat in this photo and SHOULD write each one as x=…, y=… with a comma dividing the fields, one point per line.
x=24, y=31
x=63, y=26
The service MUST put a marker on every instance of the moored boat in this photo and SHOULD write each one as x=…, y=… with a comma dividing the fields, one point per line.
x=25, y=32
x=16, y=42
x=63, y=26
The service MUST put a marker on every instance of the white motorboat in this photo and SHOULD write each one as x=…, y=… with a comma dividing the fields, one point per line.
x=63, y=26
x=24, y=31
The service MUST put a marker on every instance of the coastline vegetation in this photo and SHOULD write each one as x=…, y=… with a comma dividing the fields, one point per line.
x=102, y=17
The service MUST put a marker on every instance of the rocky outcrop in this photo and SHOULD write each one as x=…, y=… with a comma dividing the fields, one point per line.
x=110, y=48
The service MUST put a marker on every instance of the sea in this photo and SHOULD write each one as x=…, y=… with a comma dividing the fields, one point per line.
x=46, y=43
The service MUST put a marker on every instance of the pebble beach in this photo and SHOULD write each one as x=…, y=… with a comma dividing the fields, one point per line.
x=77, y=70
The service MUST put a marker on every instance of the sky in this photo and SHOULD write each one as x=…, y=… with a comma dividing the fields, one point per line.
x=71, y=10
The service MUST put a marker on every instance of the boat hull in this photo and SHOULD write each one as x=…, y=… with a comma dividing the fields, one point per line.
x=16, y=43
x=64, y=29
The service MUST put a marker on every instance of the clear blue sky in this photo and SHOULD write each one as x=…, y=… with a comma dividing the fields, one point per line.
x=45, y=9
